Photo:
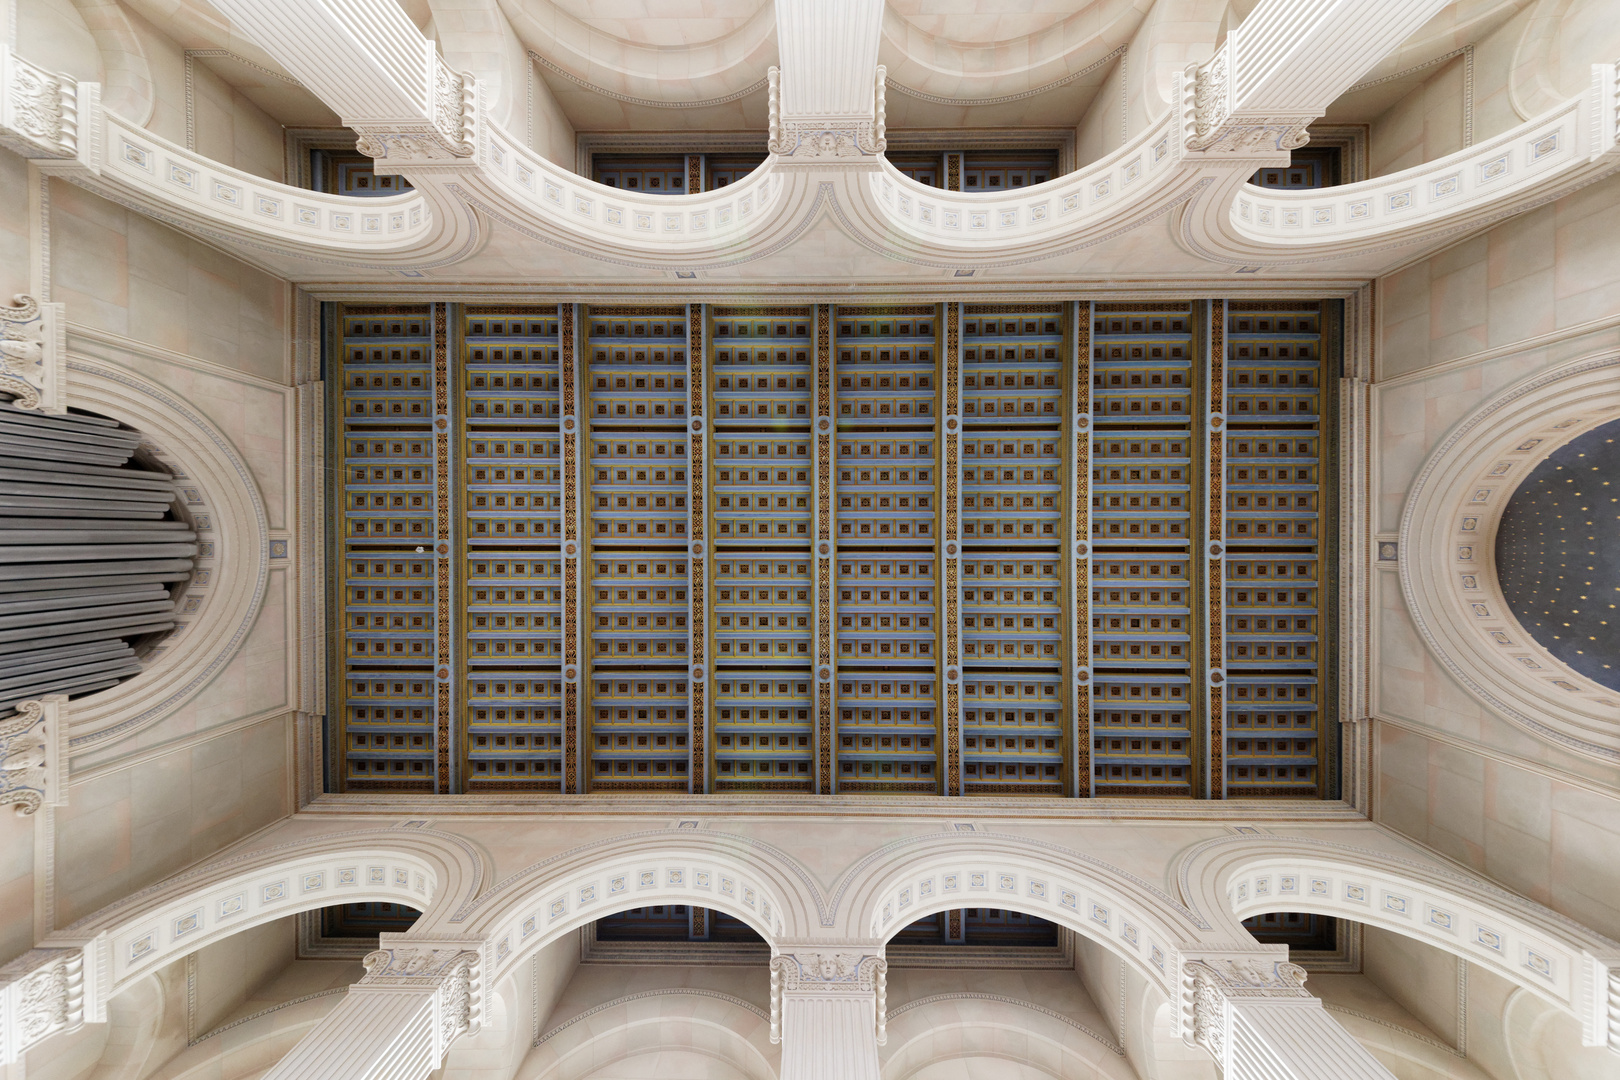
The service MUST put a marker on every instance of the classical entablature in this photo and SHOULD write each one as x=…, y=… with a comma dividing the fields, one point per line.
x=1175, y=194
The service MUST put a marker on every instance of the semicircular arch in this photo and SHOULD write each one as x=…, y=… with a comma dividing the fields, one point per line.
x=134, y=937
x=1545, y=953
x=238, y=564
x=529, y=909
x=709, y=1023
x=1447, y=556
x=1125, y=914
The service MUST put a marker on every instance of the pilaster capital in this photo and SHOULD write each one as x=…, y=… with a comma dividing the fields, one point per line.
x=452, y=971
x=32, y=758
x=830, y=973
x=449, y=132
x=33, y=354
x=42, y=992
x=1214, y=124
x=39, y=110
x=823, y=139
x=821, y=970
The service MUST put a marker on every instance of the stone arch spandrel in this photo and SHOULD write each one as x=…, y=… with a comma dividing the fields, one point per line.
x=433, y=872
x=1447, y=561
x=532, y=907
x=1545, y=953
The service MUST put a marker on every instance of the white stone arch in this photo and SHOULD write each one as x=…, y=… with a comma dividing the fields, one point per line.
x=1447, y=556
x=234, y=552
x=1537, y=949
x=535, y=906
x=126, y=941
x=1126, y=915
x=709, y=1023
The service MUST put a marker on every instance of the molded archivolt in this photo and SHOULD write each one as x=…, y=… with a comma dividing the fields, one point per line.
x=129, y=940
x=1131, y=917
x=233, y=558
x=1447, y=557
x=528, y=910
x=1566, y=147
x=1537, y=949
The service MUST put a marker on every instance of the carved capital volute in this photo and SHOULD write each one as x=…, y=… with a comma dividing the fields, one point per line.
x=42, y=992
x=448, y=134
x=39, y=110
x=33, y=354
x=814, y=971
x=1213, y=126
x=451, y=970
x=32, y=745
x=829, y=139
x=1213, y=984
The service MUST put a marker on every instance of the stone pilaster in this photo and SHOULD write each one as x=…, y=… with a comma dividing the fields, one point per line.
x=1255, y=1017
x=398, y=1021
x=828, y=1012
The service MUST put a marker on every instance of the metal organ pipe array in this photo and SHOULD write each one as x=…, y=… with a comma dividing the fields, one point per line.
x=91, y=555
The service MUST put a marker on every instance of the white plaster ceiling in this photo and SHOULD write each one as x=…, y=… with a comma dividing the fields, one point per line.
x=974, y=63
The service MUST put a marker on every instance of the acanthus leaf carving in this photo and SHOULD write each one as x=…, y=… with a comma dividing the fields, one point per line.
x=1209, y=98
x=30, y=745
x=829, y=970
x=41, y=993
x=32, y=365
x=1257, y=135
x=1215, y=982
x=807, y=140
x=40, y=109
x=449, y=133
x=448, y=970
x=400, y=963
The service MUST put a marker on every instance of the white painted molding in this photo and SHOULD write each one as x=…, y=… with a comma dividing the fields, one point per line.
x=33, y=353
x=233, y=552
x=1128, y=916
x=1447, y=556
x=1533, y=947
x=487, y=928
x=1565, y=148
x=434, y=126
x=33, y=755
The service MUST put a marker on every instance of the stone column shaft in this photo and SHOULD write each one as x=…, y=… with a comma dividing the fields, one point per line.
x=398, y=1021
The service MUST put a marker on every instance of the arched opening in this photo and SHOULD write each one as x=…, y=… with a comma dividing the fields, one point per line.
x=96, y=553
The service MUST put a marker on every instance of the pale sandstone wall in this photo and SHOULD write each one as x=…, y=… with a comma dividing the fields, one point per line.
x=1454, y=331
